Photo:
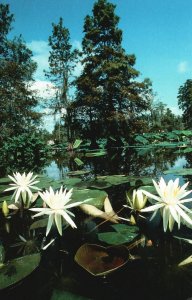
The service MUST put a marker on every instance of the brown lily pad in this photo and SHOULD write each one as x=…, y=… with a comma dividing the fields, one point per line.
x=99, y=260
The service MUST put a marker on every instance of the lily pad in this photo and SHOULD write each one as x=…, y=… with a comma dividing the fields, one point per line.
x=123, y=234
x=39, y=224
x=97, y=196
x=100, y=261
x=3, y=187
x=78, y=161
x=96, y=153
x=184, y=171
x=78, y=172
x=46, y=182
x=99, y=184
x=149, y=188
x=17, y=269
x=4, y=180
x=114, y=179
x=77, y=143
x=71, y=182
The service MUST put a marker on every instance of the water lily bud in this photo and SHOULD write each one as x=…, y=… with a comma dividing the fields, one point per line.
x=138, y=200
x=132, y=220
x=5, y=209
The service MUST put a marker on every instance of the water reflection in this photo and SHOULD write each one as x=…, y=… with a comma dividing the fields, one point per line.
x=127, y=161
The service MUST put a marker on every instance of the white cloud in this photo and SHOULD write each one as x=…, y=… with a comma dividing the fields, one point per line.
x=176, y=110
x=78, y=69
x=40, y=51
x=44, y=89
x=183, y=67
x=77, y=45
x=38, y=47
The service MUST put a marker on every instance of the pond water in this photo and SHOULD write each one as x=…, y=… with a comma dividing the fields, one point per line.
x=151, y=269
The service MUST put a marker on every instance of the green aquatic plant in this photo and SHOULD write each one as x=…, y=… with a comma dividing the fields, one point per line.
x=170, y=201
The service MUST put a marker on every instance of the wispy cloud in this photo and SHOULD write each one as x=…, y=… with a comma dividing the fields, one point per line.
x=40, y=51
x=183, y=67
x=77, y=45
x=44, y=89
x=176, y=110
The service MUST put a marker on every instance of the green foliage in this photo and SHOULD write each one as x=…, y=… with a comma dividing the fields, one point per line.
x=61, y=65
x=174, y=138
x=162, y=118
x=77, y=143
x=24, y=152
x=17, y=269
x=18, y=101
x=181, y=172
x=109, y=100
x=185, y=102
x=122, y=234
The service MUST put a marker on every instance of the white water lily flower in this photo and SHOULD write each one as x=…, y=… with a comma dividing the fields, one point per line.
x=57, y=208
x=137, y=201
x=170, y=202
x=23, y=183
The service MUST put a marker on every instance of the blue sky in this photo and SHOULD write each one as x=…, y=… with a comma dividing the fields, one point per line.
x=158, y=32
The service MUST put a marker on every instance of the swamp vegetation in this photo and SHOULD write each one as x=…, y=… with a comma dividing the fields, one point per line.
x=100, y=208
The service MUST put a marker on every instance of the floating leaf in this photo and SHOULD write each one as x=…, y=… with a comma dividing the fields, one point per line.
x=71, y=182
x=6, y=180
x=78, y=161
x=99, y=184
x=184, y=171
x=114, y=179
x=78, y=172
x=124, y=234
x=2, y=188
x=17, y=269
x=77, y=143
x=141, y=139
x=96, y=153
x=149, y=188
x=39, y=224
x=100, y=261
x=97, y=197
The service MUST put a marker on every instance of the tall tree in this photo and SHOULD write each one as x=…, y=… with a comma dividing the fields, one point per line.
x=17, y=101
x=185, y=102
x=109, y=99
x=5, y=25
x=61, y=65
